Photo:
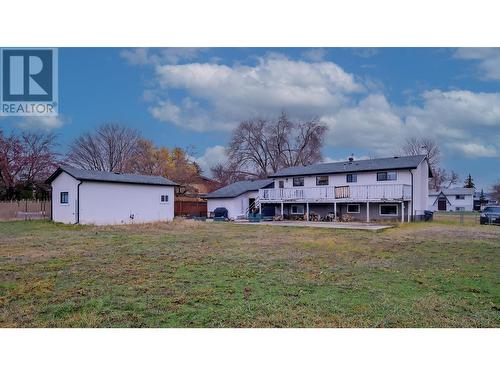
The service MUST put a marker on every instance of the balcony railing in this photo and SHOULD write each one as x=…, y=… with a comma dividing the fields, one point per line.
x=336, y=193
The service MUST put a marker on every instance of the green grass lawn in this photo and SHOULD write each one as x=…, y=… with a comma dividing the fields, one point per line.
x=193, y=274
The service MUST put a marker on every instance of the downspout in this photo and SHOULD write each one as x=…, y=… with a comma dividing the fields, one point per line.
x=51, y=203
x=412, y=213
x=78, y=203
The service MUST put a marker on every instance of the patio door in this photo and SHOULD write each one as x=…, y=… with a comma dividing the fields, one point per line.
x=251, y=205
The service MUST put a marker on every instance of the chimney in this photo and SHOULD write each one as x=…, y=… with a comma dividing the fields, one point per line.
x=351, y=158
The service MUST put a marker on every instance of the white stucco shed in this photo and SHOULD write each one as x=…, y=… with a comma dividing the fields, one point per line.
x=104, y=198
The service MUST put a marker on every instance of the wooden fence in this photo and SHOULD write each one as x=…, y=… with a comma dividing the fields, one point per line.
x=190, y=208
x=25, y=210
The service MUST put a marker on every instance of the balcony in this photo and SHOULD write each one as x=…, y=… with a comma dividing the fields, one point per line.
x=380, y=192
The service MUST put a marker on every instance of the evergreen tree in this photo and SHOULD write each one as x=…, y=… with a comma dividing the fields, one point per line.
x=482, y=198
x=469, y=182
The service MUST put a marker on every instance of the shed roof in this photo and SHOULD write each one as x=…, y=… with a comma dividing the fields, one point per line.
x=100, y=176
x=396, y=162
x=238, y=188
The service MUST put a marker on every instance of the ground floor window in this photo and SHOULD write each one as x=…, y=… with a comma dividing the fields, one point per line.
x=459, y=208
x=297, y=209
x=353, y=208
x=163, y=198
x=64, y=197
x=388, y=209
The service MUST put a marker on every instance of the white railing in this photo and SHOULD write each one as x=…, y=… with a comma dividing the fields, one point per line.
x=332, y=193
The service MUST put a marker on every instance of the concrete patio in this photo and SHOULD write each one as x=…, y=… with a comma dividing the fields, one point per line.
x=315, y=224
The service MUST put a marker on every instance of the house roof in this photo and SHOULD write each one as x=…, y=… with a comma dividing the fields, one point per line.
x=124, y=178
x=238, y=188
x=397, y=162
x=453, y=191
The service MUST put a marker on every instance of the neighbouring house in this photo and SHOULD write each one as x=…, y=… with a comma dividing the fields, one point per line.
x=101, y=198
x=198, y=187
x=451, y=199
x=238, y=198
x=190, y=199
x=394, y=188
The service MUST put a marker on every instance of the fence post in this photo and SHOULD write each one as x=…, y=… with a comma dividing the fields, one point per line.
x=461, y=217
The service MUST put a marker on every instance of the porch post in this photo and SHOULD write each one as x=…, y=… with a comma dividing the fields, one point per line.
x=403, y=212
x=260, y=209
x=334, y=210
x=367, y=211
x=307, y=211
x=281, y=210
x=408, y=211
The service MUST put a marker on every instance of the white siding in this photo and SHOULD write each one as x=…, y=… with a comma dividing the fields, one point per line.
x=64, y=213
x=236, y=206
x=420, y=188
x=363, y=178
x=114, y=203
x=467, y=203
x=104, y=203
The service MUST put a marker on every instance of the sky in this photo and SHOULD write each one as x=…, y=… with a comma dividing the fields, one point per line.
x=370, y=99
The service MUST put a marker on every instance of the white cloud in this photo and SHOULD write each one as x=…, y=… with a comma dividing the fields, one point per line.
x=460, y=121
x=136, y=56
x=211, y=157
x=372, y=124
x=233, y=93
x=42, y=122
x=315, y=54
x=476, y=150
x=216, y=96
x=365, y=52
x=488, y=60
x=146, y=56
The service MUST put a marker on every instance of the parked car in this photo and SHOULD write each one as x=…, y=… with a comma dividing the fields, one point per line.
x=490, y=215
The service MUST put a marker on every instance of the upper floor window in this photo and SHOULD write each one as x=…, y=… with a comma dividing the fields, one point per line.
x=281, y=184
x=298, y=181
x=351, y=177
x=459, y=196
x=64, y=197
x=321, y=180
x=387, y=176
x=163, y=198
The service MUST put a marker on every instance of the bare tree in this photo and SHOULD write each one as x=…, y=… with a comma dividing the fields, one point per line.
x=442, y=179
x=226, y=174
x=496, y=191
x=259, y=147
x=422, y=146
x=429, y=147
x=111, y=148
x=25, y=159
x=40, y=157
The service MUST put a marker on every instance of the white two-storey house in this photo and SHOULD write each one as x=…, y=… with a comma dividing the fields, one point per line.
x=393, y=188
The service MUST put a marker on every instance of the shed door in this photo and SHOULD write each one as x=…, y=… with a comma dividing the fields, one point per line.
x=442, y=204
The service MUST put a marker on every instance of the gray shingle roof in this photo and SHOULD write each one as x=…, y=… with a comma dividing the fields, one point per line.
x=238, y=188
x=84, y=175
x=453, y=191
x=400, y=162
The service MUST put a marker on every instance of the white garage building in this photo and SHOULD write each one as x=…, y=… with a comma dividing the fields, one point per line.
x=102, y=198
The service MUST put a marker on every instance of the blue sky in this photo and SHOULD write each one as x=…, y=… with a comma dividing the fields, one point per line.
x=370, y=99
